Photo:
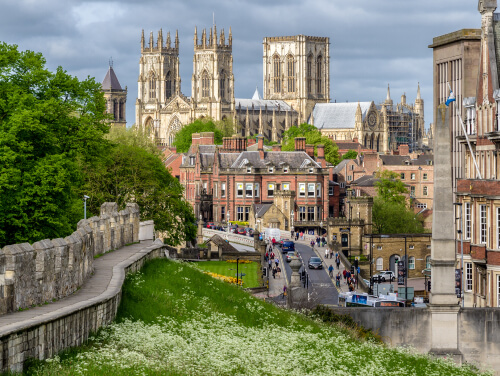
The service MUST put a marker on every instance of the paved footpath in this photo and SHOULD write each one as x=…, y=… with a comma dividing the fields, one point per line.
x=276, y=285
x=105, y=267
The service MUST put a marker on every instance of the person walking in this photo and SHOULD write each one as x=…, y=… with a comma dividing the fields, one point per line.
x=326, y=253
x=344, y=273
x=270, y=263
x=274, y=272
x=330, y=271
x=337, y=261
x=277, y=261
x=331, y=253
x=337, y=282
x=278, y=271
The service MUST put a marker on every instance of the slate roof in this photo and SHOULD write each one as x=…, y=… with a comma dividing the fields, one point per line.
x=349, y=145
x=255, y=147
x=293, y=159
x=226, y=247
x=261, y=209
x=261, y=104
x=365, y=181
x=424, y=160
x=395, y=160
x=337, y=115
x=342, y=165
x=110, y=81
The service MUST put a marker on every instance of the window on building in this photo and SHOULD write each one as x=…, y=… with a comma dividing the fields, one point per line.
x=424, y=176
x=205, y=85
x=309, y=74
x=402, y=176
x=286, y=205
x=239, y=189
x=349, y=177
x=291, y=74
x=482, y=223
x=311, y=170
x=223, y=213
x=285, y=169
x=277, y=74
x=310, y=190
x=256, y=189
x=428, y=262
x=411, y=246
x=424, y=190
x=270, y=190
x=319, y=69
x=498, y=288
x=310, y=213
x=240, y=213
x=223, y=190
x=342, y=185
x=421, y=205
x=247, y=213
x=192, y=159
x=270, y=170
x=411, y=263
x=152, y=87
x=249, y=170
x=379, y=247
x=215, y=189
x=222, y=84
x=498, y=227
x=330, y=190
x=380, y=263
x=467, y=219
x=168, y=85
x=248, y=189
x=302, y=189
x=302, y=213
x=468, y=276
x=412, y=176
x=318, y=189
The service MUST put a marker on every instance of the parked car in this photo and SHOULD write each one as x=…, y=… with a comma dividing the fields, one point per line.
x=210, y=225
x=234, y=229
x=241, y=231
x=315, y=263
x=288, y=246
x=385, y=275
x=291, y=256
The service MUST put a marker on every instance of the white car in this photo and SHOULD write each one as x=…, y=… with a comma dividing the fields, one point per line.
x=385, y=275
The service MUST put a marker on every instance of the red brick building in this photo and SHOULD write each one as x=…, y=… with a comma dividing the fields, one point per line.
x=225, y=182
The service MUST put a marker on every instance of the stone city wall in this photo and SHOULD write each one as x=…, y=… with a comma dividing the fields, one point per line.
x=52, y=269
x=46, y=335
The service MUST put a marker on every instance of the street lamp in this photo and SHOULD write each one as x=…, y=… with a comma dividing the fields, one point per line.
x=321, y=229
x=85, y=197
x=349, y=239
x=291, y=220
x=459, y=204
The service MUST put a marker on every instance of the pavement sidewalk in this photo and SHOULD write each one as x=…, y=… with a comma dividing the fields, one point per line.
x=275, y=291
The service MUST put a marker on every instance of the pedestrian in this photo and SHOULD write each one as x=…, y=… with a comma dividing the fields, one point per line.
x=344, y=273
x=301, y=235
x=274, y=273
x=273, y=241
x=266, y=256
x=323, y=241
x=317, y=241
x=284, y=290
x=277, y=261
x=272, y=255
x=337, y=261
x=296, y=236
x=270, y=264
x=331, y=253
x=330, y=270
x=326, y=253
x=338, y=280
x=278, y=271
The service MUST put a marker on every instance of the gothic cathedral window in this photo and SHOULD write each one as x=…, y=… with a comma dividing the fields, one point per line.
x=291, y=74
x=309, y=74
x=168, y=86
x=205, y=85
x=152, y=87
x=222, y=84
x=319, y=64
x=277, y=74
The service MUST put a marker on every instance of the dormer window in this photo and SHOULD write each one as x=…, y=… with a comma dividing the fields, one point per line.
x=249, y=170
x=285, y=169
x=191, y=160
x=270, y=170
x=311, y=170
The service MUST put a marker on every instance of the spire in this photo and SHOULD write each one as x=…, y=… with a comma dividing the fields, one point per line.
x=142, y=40
x=177, y=39
x=388, y=93
x=256, y=95
x=211, y=39
x=159, y=41
x=204, y=38
x=168, y=40
x=195, y=36
x=215, y=35
x=151, y=40
x=230, y=39
x=418, y=92
x=222, y=38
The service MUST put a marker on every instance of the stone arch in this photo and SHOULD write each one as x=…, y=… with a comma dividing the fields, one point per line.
x=173, y=127
x=392, y=262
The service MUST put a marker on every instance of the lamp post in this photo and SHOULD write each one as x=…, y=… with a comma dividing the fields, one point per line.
x=349, y=239
x=237, y=275
x=85, y=197
x=459, y=204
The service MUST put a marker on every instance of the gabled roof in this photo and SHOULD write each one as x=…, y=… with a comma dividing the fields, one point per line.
x=337, y=115
x=261, y=209
x=349, y=145
x=342, y=165
x=294, y=159
x=226, y=247
x=395, y=160
x=110, y=81
x=366, y=181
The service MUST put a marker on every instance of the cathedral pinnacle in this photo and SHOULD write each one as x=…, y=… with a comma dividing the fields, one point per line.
x=151, y=40
x=230, y=39
x=177, y=39
x=168, y=40
x=418, y=91
x=215, y=35
x=388, y=93
x=159, y=42
x=195, y=36
x=222, y=38
x=142, y=40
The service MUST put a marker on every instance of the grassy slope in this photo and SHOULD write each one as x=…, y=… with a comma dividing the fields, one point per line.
x=250, y=279
x=175, y=320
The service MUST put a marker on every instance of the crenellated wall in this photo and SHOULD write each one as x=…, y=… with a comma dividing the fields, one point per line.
x=52, y=269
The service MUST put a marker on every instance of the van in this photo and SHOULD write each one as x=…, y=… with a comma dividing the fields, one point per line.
x=288, y=246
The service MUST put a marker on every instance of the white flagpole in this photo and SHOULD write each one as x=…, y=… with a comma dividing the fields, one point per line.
x=466, y=136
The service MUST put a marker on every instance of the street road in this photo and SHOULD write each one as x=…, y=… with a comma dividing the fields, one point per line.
x=321, y=288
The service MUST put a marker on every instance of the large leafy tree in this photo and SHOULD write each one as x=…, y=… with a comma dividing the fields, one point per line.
x=350, y=154
x=51, y=124
x=390, y=214
x=313, y=136
x=223, y=128
x=133, y=171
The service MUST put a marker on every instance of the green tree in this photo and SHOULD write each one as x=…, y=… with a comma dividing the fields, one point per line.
x=51, y=124
x=351, y=154
x=133, y=171
x=223, y=128
x=390, y=214
x=313, y=136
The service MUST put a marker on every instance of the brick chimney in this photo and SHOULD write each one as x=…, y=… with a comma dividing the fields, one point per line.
x=404, y=150
x=321, y=155
x=370, y=162
x=251, y=142
x=195, y=139
x=276, y=147
x=235, y=144
x=260, y=146
x=310, y=150
x=300, y=144
x=355, y=139
x=207, y=138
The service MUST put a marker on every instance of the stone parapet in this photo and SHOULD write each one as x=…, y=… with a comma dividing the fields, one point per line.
x=52, y=269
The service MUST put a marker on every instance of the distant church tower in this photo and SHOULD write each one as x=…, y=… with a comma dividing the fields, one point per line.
x=159, y=81
x=297, y=70
x=116, y=98
x=212, y=91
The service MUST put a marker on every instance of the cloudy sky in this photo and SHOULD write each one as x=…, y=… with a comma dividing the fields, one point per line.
x=373, y=42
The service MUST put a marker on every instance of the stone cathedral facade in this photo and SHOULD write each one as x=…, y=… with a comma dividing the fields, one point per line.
x=296, y=77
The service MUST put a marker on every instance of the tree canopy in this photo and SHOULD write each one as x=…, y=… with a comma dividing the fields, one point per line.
x=223, y=128
x=50, y=125
x=351, y=154
x=313, y=136
x=390, y=213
